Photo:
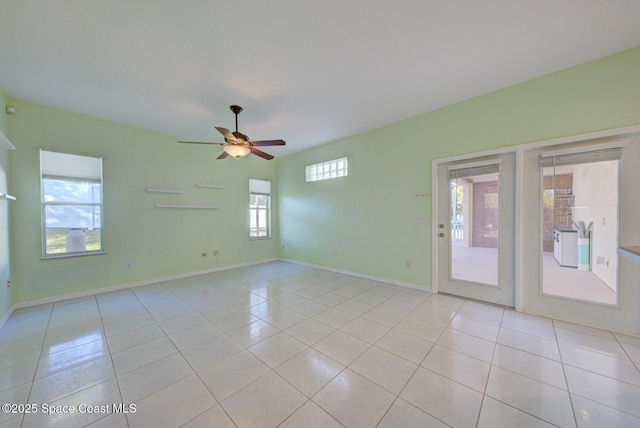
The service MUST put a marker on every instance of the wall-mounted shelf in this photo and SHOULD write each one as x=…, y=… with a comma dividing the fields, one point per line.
x=187, y=206
x=632, y=253
x=5, y=143
x=209, y=186
x=156, y=190
x=7, y=196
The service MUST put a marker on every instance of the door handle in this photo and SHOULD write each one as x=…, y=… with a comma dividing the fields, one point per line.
x=441, y=234
x=441, y=226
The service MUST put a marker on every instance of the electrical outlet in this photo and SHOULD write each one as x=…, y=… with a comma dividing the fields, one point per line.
x=8, y=283
x=216, y=253
x=203, y=254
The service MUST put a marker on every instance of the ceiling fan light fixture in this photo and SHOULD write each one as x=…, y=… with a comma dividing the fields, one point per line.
x=236, y=151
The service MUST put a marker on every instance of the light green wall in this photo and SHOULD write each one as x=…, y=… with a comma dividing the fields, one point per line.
x=5, y=271
x=157, y=242
x=369, y=218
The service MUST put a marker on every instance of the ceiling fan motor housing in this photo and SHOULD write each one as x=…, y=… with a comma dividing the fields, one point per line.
x=242, y=136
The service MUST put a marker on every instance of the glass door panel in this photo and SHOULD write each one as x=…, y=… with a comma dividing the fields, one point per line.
x=475, y=228
x=580, y=231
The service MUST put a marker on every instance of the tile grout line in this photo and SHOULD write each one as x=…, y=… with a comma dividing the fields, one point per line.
x=564, y=372
x=33, y=380
x=486, y=384
x=418, y=366
x=179, y=352
x=113, y=367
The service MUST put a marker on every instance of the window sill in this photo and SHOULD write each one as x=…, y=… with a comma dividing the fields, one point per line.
x=67, y=256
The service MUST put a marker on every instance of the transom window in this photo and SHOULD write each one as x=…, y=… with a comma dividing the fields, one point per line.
x=71, y=188
x=326, y=170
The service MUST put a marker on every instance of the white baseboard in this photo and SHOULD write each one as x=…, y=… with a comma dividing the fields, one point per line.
x=362, y=275
x=111, y=288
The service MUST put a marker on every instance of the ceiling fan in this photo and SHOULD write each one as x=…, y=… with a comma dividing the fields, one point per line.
x=237, y=144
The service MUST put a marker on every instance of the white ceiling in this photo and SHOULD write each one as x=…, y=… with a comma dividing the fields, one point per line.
x=309, y=72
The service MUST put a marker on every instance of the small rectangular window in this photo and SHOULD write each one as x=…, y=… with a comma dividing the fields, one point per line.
x=326, y=170
x=71, y=187
x=259, y=208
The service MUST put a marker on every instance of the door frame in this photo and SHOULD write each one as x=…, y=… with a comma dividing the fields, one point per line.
x=521, y=303
x=503, y=292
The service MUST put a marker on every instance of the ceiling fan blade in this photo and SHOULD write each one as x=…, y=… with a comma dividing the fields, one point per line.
x=268, y=143
x=223, y=155
x=198, y=142
x=227, y=134
x=240, y=136
x=260, y=153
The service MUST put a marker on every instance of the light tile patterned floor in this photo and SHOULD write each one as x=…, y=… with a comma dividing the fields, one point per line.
x=280, y=344
x=477, y=264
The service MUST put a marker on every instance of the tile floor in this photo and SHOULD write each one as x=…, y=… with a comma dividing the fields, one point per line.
x=280, y=344
x=477, y=264
x=574, y=283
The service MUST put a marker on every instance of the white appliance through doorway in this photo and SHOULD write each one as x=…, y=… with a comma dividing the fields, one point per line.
x=565, y=247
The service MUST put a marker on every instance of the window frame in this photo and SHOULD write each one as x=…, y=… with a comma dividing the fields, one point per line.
x=44, y=204
x=334, y=168
x=256, y=209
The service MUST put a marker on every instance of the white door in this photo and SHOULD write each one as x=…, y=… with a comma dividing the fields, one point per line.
x=605, y=292
x=476, y=229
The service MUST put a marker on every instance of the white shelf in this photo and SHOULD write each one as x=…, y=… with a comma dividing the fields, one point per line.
x=209, y=186
x=156, y=190
x=187, y=206
x=5, y=143
x=7, y=196
x=631, y=253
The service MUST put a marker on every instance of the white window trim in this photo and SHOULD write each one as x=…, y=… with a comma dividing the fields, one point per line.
x=260, y=188
x=311, y=176
x=44, y=204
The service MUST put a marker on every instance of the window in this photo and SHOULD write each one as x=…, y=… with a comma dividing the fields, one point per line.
x=71, y=187
x=259, y=208
x=326, y=170
x=474, y=222
x=580, y=210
